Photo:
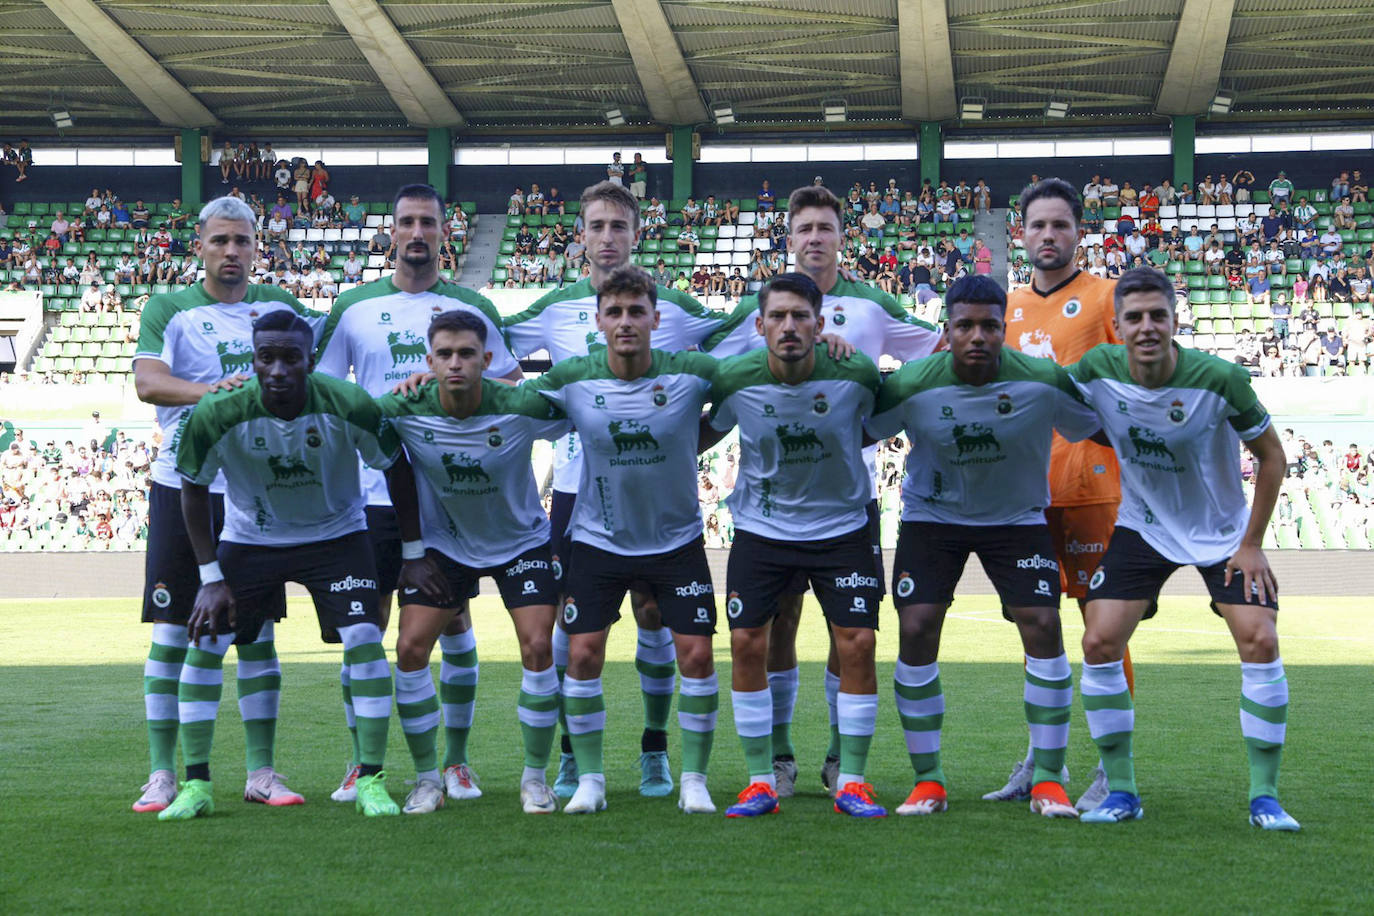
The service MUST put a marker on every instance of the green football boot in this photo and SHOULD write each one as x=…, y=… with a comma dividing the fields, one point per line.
x=196, y=799
x=373, y=800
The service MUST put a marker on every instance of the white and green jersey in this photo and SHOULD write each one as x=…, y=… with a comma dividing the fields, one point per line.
x=202, y=340
x=479, y=503
x=638, y=491
x=1179, y=448
x=980, y=454
x=382, y=334
x=289, y=482
x=870, y=319
x=801, y=474
x=563, y=324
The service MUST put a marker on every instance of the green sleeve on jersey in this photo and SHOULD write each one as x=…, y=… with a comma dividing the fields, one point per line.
x=743, y=312
x=913, y=378
x=517, y=399
x=858, y=369
x=1249, y=414
x=157, y=314
x=737, y=373
x=480, y=303
x=686, y=362
x=206, y=423
x=350, y=402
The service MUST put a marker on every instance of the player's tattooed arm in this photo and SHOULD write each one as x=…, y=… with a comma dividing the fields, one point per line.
x=419, y=574
x=214, y=601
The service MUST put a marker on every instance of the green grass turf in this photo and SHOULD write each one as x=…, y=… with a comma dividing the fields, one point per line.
x=73, y=748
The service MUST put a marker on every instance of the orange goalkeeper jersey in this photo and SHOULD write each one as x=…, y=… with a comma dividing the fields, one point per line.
x=1062, y=325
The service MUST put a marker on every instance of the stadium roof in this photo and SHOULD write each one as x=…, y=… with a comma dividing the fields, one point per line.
x=545, y=66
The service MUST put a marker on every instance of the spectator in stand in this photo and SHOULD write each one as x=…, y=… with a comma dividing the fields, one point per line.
x=353, y=268
x=1343, y=216
x=701, y=280
x=663, y=276
x=1257, y=281
x=688, y=241
x=1280, y=189
x=946, y=211
x=1304, y=215
x=691, y=212
x=534, y=202
x=729, y=213
x=355, y=213
x=1206, y=192
x=873, y=223
x=1128, y=196
x=91, y=298
x=639, y=177
x=765, y=200
x=458, y=226
x=553, y=201
x=1149, y=204
x=61, y=227
x=615, y=170
x=524, y=240
x=1244, y=182
x=1225, y=191
x=577, y=252
x=1331, y=243
x=140, y=216
x=982, y=258
x=111, y=301
x=735, y=285
x=1359, y=188
x=1111, y=193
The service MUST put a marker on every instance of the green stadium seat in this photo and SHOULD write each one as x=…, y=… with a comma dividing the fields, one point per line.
x=1259, y=197
x=1193, y=267
x=41, y=209
x=1239, y=297
x=1217, y=296
x=1198, y=297
x=22, y=208
x=1216, y=282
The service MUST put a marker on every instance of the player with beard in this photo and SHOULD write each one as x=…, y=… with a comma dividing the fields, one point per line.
x=1061, y=315
x=379, y=331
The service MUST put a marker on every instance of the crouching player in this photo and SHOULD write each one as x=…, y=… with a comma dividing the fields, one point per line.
x=472, y=510
x=979, y=418
x=800, y=416
x=288, y=442
x=1176, y=418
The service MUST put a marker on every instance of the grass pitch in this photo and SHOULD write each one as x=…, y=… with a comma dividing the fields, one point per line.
x=74, y=751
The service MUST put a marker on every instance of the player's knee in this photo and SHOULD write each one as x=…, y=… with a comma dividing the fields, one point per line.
x=854, y=643
x=645, y=610
x=536, y=651
x=412, y=652
x=749, y=647
x=1260, y=644
x=694, y=657
x=1100, y=648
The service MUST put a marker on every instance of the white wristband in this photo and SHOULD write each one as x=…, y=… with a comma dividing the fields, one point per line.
x=412, y=550
x=210, y=574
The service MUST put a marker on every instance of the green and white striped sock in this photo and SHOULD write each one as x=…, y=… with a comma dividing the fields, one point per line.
x=161, y=672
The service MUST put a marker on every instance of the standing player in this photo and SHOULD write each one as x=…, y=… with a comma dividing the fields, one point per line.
x=979, y=419
x=638, y=522
x=379, y=331
x=1061, y=315
x=192, y=342
x=801, y=473
x=1176, y=417
x=563, y=323
x=876, y=325
x=287, y=443
x=468, y=507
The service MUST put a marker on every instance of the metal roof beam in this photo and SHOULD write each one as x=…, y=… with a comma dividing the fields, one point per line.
x=1190, y=81
x=924, y=61
x=147, y=79
x=669, y=87
x=409, y=83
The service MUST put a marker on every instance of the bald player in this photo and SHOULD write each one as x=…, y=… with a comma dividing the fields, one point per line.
x=1063, y=314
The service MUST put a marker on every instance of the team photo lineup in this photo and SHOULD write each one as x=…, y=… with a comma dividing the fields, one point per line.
x=1093, y=475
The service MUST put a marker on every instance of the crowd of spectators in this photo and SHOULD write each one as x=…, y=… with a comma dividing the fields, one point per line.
x=19, y=158
x=86, y=493
x=1328, y=493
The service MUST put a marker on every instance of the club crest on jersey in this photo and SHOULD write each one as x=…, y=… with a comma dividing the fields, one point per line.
x=557, y=567
x=660, y=396
x=1098, y=578
x=819, y=405
x=312, y=438
x=1176, y=414
x=734, y=607
x=161, y=596
x=1004, y=404
x=839, y=317
x=494, y=437
x=1072, y=308
x=905, y=585
x=407, y=349
x=569, y=611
